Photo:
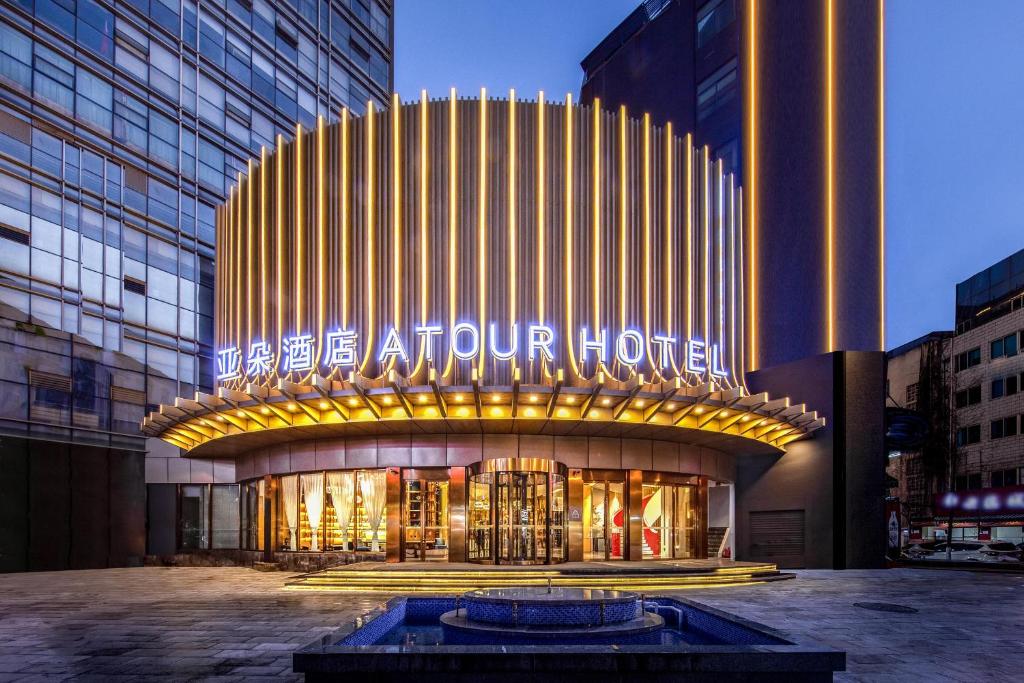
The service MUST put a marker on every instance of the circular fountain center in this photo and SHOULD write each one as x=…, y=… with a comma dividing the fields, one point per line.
x=551, y=611
x=537, y=606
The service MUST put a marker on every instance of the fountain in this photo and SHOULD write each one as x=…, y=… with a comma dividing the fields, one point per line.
x=573, y=635
x=536, y=612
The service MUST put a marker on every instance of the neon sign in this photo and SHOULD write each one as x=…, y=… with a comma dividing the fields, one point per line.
x=535, y=342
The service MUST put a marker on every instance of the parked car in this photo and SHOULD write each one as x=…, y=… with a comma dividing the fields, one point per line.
x=919, y=550
x=975, y=551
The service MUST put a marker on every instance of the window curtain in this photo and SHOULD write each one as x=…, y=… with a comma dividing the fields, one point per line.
x=313, y=492
x=342, y=487
x=373, y=487
x=290, y=500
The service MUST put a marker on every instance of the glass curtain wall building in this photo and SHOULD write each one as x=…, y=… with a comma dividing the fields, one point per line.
x=122, y=126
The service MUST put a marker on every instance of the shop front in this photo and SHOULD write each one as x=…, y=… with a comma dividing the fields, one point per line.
x=498, y=511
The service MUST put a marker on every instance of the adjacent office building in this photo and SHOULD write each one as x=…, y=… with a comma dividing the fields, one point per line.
x=790, y=96
x=979, y=484
x=122, y=127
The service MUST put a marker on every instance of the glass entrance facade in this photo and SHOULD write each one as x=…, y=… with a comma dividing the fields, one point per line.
x=425, y=507
x=669, y=521
x=604, y=519
x=517, y=512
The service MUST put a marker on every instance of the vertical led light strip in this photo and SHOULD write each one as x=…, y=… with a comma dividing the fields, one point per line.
x=298, y=299
x=321, y=232
x=541, y=255
x=218, y=291
x=706, y=282
x=568, y=234
x=668, y=276
x=424, y=242
x=279, y=211
x=346, y=259
x=264, y=239
x=689, y=236
x=423, y=245
x=371, y=231
x=829, y=179
x=623, y=216
x=646, y=303
x=237, y=204
x=881, y=175
x=250, y=256
x=720, y=256
x=481, y=251
x=596, y=213
x=396, y=214
x=512, y=294
x=752, y=179
x=732, y=279
x=453, y=224
x=741, y=288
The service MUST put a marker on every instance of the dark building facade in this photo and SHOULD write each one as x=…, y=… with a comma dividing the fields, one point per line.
x=790, y=95
x=122, y=127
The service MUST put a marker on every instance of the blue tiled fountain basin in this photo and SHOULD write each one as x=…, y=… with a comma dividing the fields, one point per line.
x=403, y=640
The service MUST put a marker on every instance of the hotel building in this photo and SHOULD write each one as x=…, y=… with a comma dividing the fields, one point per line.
x=122, y=126
x=489, y=330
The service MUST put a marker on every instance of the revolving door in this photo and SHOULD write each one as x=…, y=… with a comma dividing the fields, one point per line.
x=517, y=511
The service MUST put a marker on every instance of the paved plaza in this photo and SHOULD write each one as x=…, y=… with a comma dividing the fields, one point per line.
x=236, y=624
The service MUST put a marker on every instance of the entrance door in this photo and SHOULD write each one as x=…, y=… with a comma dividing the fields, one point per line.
x=517, y=512
x=522, y=525
x=426, y=520
x=603, y=520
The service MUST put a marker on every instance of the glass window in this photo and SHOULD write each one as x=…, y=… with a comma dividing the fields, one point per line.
x=224, y=533
x=604, y=517
x=713, y=18
x=657, y=513
x=15, y=57
x=253, y=502
x=56, y=15
x=263, y=20
x=997, y=388
x=379, y=22
x=165, y=13
x=163, y=72
x=46, y=267
x=96, y=29
x=193, y=504
x=238, y=61
x=211, y=40
x=54, y=79
x=717, y=90
x=1010, y=345
x=163, y=140
x=211, y=101
x=93, y=99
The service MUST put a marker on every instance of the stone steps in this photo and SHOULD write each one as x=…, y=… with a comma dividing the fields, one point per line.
x=442, y=580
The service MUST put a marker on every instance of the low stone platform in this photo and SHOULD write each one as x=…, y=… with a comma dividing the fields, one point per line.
x=647, y=576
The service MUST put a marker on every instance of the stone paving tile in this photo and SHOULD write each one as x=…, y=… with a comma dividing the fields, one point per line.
x=234, y=624
x=968, y=627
